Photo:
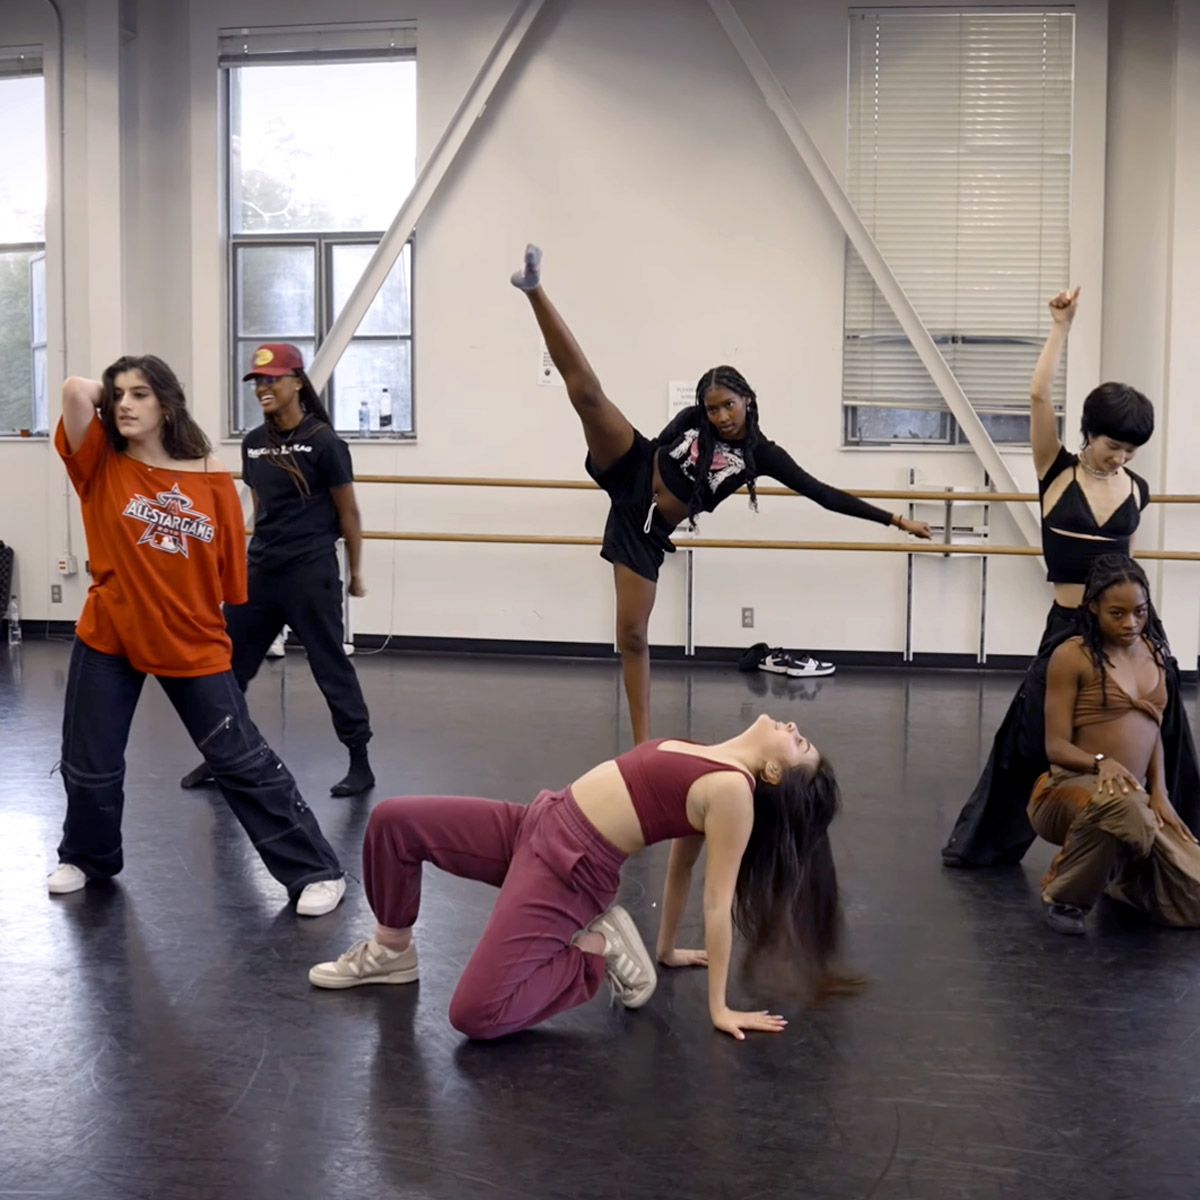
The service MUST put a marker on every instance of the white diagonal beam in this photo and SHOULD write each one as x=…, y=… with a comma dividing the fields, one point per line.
x=939, y=370
x=423, y=190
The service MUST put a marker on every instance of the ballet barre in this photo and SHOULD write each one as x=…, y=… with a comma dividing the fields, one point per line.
x=587, y=485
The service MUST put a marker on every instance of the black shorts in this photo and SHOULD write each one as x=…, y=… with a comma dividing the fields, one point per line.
x=629, y=483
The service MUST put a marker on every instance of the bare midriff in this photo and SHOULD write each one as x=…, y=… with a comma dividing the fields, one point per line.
x=671, y=508
x=1130, y=739
x=603, y=798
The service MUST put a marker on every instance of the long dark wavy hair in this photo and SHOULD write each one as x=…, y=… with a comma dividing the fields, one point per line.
x=1107, y=571
x=785, y=902
x=182, y=438
x=315, y=413
x=726, y=377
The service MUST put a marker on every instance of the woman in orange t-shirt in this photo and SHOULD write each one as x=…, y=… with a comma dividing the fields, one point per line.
x=166, y=544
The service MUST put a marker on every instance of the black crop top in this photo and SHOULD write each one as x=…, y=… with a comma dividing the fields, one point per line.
x=1068, y=559
x=679, y=445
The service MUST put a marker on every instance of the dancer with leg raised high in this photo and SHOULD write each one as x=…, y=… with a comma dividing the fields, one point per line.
x=703, y=456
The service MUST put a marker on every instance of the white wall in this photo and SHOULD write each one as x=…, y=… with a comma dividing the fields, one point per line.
x=680, y=230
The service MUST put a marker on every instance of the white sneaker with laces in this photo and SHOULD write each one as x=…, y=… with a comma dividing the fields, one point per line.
x=805, y=666
x=320, y=898
x=367, y=962
x=630, y=969
x=65, y=878
x=278, y=648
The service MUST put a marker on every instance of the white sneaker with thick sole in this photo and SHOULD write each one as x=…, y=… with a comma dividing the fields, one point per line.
x=320, y=898
x=367, y=962
x=65, y=878
x=797, y=666
x=278, y=648
x=630, y=969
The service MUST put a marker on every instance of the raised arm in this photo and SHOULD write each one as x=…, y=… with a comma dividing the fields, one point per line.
x=776, y=462
x=727, y=827
x=1043, y=426
x=80, y=400
x=684, y=853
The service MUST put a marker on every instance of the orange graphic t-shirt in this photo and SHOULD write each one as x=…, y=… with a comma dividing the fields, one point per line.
x=165, y=549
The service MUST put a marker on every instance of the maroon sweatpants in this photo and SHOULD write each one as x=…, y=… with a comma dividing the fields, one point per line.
x=555, y=874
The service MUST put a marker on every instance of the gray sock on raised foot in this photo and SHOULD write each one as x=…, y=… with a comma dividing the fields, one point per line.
x=529, y=277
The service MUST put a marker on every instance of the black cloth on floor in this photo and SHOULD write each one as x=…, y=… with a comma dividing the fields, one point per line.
x=992, y=828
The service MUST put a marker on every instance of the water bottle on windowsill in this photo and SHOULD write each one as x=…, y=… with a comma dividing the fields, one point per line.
x=14, y=623
x=364, y=419
x=385, y=411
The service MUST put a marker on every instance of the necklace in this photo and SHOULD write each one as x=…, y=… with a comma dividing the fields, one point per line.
x=1092, y=471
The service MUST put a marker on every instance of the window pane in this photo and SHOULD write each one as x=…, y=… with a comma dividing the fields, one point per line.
x=276, y=290
x=16, y=358
x=390, y=312
x=23, y=153
x=365, y=370
x=41, y=405
x=37, y=291
x=1012, y=428
x=321, y=147
x=898, y=425
x=248, y=414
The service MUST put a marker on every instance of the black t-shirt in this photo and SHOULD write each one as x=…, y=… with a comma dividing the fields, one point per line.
x=292, y=526
x=680, y=450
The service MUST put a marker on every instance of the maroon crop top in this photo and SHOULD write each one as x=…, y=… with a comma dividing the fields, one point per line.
x=658, y=782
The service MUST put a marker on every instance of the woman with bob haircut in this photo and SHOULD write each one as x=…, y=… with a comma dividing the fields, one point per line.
x=1091, y=505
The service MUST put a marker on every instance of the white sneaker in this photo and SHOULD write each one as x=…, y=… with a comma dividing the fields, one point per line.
x=321, y=897
x=66, y=878
x=367, y=962
x=277, y=649
x=630, y=969
x=798, y=666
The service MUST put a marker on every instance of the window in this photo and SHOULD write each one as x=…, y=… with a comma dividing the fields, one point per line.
x=23, y=407
x=322, y=153
x=959, y=163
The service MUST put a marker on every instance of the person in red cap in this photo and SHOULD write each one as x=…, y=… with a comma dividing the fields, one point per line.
x=165, y=538
x=300, y=475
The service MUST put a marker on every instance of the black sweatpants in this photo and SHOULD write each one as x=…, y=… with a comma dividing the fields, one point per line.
x=308, y=598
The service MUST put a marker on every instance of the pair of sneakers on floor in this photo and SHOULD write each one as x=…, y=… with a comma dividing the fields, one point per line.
x=315, y=900
x=778, y=661
x=627, y=963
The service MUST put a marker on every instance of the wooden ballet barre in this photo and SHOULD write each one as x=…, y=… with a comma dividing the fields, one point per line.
x=546, y=539
x=586, y=485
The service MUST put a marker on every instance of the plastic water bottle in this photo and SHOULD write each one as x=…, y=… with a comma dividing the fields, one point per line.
x=14, y=623
x=364, y=419
x=385, y=410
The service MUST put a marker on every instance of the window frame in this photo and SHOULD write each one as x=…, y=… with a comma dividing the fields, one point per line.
x=952, y=436
x=322, y=241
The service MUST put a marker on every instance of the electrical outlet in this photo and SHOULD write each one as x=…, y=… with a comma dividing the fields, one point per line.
x=67, y=564
x=56, y=593
x=747, y=618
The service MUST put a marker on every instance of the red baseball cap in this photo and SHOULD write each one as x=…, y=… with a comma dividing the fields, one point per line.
x=274, y=358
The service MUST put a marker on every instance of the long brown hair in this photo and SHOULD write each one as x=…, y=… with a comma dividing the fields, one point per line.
x=786, y=902
x=182, y=438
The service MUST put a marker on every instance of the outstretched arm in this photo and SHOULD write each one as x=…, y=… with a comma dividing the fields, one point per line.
x=776, y=462
x=727, y=827
x=684, y=852
x=1043, y=426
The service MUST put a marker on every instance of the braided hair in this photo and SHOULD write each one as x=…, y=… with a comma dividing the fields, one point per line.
x=1107, y=571
x=731, y=379
x=315, y=413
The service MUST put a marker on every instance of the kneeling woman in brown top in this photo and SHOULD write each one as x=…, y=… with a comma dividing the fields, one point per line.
x=1104, y=799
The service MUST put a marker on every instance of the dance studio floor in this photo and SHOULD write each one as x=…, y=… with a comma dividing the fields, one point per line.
x=159, y=1038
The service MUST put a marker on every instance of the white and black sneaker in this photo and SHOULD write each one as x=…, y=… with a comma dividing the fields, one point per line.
x=797, y=666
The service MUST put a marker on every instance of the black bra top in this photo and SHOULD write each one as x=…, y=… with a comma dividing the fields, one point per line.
x=1068, y=559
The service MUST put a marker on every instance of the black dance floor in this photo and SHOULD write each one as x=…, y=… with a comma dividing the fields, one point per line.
x=159, y=1038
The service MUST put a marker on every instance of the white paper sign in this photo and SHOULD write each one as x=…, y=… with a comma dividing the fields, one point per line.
x=548, y=375
x=680, y=395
